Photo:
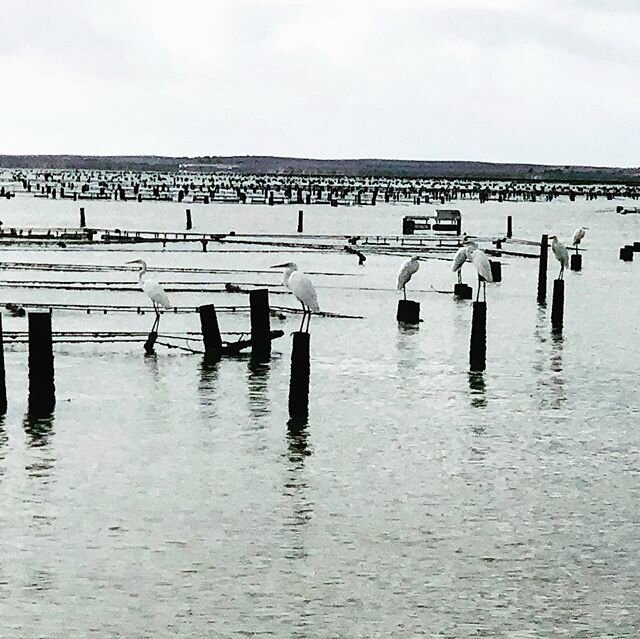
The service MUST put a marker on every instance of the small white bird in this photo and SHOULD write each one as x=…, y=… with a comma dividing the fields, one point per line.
x=561, y=254
x=405, y=273
x=154, y=291
x=578, y=234
x=480, y=260
x=301, y=286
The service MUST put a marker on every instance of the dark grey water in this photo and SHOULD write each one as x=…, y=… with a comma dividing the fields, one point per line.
x=167, y=498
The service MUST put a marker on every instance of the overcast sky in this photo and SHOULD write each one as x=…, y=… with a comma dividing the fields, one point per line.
x=549, y=81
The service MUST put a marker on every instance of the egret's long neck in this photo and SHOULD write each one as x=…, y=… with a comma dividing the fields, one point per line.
x=287, y=274
x=143, y=270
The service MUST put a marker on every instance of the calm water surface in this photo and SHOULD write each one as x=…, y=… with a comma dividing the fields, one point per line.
x=166, y=497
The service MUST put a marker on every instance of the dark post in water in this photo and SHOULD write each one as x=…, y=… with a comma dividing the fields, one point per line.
x=83, y=221
x=408, y=312
x=496, y=270
x=189, y=225
x=557, y=305
x=300, y=221
x=260, y=325
x=509, y=226
x=210, y=331
x=542, y=270
x=42, y=391
x=478, y=346
x=3, y=386
x=299, y=382
x=576, y=262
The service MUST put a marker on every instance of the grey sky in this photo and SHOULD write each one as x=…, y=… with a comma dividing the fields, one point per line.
x=553, y=81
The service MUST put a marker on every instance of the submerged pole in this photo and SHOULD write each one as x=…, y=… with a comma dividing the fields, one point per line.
x=557, y=305
x=300, y=221
x=210, y=331
x=42, y=391
x=542, y=269
x=260, y=324
x=478, y=345
x=300, y=373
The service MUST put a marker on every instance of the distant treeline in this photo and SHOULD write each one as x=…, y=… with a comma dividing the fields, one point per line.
x=261, y=165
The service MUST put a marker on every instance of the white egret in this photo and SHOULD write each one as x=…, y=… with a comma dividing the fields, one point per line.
x=578, y=234
x=301, y=286
x=154, y=291
x=405, y=273
x=480, y=260
x=462, y=256
x=561, y=253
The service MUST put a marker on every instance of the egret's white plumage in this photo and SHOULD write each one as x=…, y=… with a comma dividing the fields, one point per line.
x=154, y=291
x=561, y=254
x=301, y=286
x=405, y=273
x=482, y=265
x=578, y=234
x=463, y=254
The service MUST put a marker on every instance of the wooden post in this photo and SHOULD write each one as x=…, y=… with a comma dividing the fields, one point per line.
x=3, y=386
x=210, y=331
x=496, y=270
x=478, y=346
x=83, y=221
x=300, y=221
x=509, y=226
x=42, y=391
x=576, y=262
x=636, y=247
x=557, y=305
x=189, y=225
x=260, y=326
x=408, y=312
x=626, y=253
x=542, y=270
x=300, y=372
x=463, y=291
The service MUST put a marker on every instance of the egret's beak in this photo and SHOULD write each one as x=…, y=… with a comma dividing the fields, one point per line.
x=279, y=266
x=133, y=262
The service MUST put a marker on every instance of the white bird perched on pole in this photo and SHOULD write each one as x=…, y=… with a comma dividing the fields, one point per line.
x=405, y=273
x=154, y=291
x=578, y=234
x=480, y=260
x=301, y=286
x=463, y=255
x=561, y=253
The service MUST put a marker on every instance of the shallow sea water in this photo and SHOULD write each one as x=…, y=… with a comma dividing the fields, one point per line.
x=166, y=496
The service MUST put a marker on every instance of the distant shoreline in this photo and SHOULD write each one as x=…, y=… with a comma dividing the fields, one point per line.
x=262, y=165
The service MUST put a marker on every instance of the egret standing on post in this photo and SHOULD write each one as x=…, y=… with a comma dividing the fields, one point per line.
x=405, y=273
x=154, y=291
x=480, y=260
x=578, y=234
x=462, y=256
x=561, y=253
x=300, y=285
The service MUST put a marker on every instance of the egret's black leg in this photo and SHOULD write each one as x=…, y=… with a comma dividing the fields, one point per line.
x=459, y=276
x=404, y=291
x=304, y=312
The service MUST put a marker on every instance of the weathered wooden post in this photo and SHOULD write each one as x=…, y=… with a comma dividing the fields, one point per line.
x=496, y=270
x=3, y=385
x=509, y=226
x=42, y=391
x=260, y=325
x=408, y=312
x=542, y=270
x=626, y=253
x=189, y=225
x=478, y=346
x=557, y=305
x=462, y=291
x=576, y=262
x=300, y=221
x=299, y=382
x=83, y=221
x=210, y=331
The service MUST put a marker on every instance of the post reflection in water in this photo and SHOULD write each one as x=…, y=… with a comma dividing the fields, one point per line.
x=3, y=442
x=258, y=386
x=208, y=383
x=38, y=429
x=549, y=364
x=477, y=389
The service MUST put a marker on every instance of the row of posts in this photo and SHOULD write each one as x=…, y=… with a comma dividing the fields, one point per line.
x=42, y=398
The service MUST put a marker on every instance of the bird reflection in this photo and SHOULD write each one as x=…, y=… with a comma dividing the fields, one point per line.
x=258, y=383
x=477, y=389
